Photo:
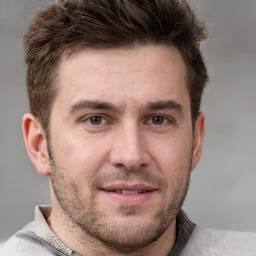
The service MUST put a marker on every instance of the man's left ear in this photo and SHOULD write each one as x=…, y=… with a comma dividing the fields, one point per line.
x=198, y=139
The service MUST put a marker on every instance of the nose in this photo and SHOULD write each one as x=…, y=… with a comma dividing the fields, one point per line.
x=128, y=148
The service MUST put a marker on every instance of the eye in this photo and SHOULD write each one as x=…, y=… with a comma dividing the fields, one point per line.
x=96, y=120
x=157, y=120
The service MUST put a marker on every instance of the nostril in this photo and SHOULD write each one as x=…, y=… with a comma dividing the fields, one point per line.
x=119, y=165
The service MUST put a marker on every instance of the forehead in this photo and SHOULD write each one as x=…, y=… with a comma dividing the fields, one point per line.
x=153, y=58
x=143, y=73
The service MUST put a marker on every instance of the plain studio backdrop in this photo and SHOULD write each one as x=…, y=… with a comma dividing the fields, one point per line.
x=223, y=186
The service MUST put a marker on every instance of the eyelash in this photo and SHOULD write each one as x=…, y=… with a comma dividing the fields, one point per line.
x=163, y=118
x=88, y=119
x=149, y=120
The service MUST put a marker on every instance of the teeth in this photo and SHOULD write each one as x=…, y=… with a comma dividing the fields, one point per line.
x=129, y=192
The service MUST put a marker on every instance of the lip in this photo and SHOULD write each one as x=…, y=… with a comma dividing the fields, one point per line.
x=129, y=199
x=126, y=186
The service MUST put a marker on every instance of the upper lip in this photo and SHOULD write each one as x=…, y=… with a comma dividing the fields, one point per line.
x=129, y=187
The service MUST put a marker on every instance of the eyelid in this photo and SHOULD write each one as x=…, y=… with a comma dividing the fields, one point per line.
x=167, y=119
x=86, y=119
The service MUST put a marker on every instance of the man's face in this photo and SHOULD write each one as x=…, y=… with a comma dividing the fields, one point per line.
x=121, y=142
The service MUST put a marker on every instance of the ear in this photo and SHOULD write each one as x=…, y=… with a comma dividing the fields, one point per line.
x=36, y=143
x=198, y=139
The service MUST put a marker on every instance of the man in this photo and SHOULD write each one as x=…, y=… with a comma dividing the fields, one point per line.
x=115, y=88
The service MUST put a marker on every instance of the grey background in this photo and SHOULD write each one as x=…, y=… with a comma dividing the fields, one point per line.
x=223, y=187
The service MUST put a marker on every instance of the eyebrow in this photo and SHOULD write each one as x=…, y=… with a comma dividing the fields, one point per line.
x=96, y=104
x=92, y=104
x=168, y=104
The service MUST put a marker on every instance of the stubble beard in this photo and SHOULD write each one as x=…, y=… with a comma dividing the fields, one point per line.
x=122, y=237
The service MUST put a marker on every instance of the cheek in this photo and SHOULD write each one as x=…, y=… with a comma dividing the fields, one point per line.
x=81, y=158
x=177, y=145
x=173, y=156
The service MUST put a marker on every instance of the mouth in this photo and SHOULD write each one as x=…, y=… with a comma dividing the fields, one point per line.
x=129, y=194
x=129, y=189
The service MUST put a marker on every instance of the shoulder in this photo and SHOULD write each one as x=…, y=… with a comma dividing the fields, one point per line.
x=214, y=242
x=26, y=243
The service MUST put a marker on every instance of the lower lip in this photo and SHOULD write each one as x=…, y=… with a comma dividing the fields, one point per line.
x=129, y=199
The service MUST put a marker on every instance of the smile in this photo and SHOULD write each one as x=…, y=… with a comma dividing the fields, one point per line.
x=128, y=192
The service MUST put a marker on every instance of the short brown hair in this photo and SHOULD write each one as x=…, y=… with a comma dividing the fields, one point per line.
x=67, y=26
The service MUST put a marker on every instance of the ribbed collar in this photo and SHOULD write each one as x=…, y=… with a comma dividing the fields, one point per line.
x=184, y=230
x=41, y=228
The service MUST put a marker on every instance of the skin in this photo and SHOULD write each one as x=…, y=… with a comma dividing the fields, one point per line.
x=121, y=121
